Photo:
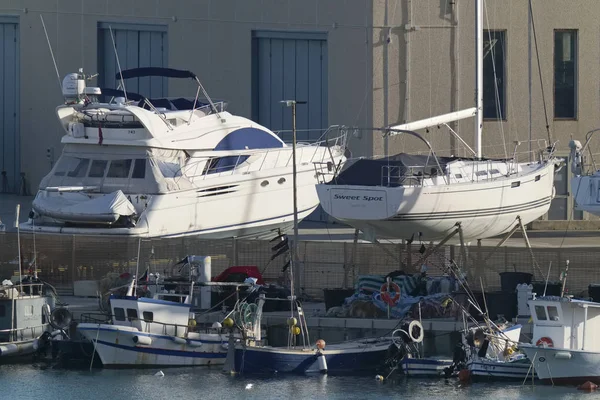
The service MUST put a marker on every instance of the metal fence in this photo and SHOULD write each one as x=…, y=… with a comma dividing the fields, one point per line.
x=62, y=259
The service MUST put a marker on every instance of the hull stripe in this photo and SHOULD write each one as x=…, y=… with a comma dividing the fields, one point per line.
x=470, y=213
x=164, y=352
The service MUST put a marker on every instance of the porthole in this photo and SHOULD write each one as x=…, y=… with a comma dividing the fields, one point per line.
x=281, y=180
x=264, y=183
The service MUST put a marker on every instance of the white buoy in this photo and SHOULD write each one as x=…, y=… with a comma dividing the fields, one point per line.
x=379, y=378
x=249, y=386
x=159, y=373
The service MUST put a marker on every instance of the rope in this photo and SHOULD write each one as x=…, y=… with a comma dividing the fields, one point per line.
x=537, y=56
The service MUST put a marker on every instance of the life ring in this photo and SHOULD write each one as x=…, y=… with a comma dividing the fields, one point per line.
x=545, y=342
x=415, y=326
x=386, y=294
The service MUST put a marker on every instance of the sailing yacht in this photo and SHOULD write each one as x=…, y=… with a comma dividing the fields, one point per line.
x=169, y=167
x=429, y=197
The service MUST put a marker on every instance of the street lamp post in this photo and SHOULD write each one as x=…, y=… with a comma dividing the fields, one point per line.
x=293, y=103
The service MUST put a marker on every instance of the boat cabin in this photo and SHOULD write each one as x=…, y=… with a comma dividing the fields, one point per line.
x=152, y=315
x=21, y=314
x=566, y=323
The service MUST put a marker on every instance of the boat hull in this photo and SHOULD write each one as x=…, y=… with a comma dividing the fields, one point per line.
x=217, y=208
x=482, y=369
x=484, y=209
x=421, y=367
x=340, y=360
x=117, y=347
x=562, y=366
x=586, y=191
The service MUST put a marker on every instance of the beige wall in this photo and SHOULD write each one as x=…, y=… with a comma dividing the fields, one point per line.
x=440, y=76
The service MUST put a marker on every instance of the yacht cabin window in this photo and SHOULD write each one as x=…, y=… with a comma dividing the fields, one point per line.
x=72, y=167
x=540, y=313
x=97, y=169
x=481, y=173
x=119, y=169
x=494, y=171
x=139, y=169
x=119, y=314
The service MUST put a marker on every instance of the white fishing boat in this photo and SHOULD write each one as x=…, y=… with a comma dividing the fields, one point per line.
x=158, y=331
x=499, y=358
x=167, y=167
x=490, y=356
x=24, y=311
x=428, y=197
x=564, y=349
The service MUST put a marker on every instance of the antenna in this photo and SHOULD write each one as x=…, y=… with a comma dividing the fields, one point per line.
x=52, y=54
x=118, y=63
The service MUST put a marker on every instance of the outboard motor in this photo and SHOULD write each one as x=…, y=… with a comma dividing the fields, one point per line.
x=459, y=361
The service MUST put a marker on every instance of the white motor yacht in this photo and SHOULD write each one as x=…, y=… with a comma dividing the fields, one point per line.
x=170, y=167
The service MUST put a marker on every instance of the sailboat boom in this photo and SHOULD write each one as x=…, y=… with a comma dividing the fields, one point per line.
x=434, y=121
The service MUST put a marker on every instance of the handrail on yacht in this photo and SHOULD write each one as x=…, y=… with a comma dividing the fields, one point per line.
x=588, y=139
x=418, y=136
x=313, y=147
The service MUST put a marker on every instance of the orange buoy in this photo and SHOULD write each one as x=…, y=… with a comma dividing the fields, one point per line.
x=464, y=375
x=320, y=344
x=588, y=386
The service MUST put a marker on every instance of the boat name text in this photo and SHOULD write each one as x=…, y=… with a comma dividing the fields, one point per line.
x=364, y=198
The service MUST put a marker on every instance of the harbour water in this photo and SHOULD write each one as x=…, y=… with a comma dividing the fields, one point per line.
x=36, y=381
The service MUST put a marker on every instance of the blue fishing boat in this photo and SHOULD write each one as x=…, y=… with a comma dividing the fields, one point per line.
x=251, y=355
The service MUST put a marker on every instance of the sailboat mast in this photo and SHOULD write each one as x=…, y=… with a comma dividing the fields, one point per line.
x=479, y=75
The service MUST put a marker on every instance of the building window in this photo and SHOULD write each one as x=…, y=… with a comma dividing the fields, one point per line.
x=565, y=72
x=494, y=82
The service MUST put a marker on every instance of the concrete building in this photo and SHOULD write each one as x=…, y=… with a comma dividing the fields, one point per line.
x=359, y=63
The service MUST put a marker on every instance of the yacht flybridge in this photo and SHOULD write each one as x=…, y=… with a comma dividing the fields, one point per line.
x=169, y=167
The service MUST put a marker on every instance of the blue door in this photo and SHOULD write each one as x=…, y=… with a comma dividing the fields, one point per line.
x=137, y=46
x=10, y=160
x=291, y=66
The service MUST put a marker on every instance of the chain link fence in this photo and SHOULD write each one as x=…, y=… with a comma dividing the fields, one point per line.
x=62, y=259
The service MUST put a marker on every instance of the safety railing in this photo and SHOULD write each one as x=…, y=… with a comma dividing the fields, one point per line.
x=20, y=334
x=587, y=166
x=166, y=328
x=281, y=157
x=24, y=290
